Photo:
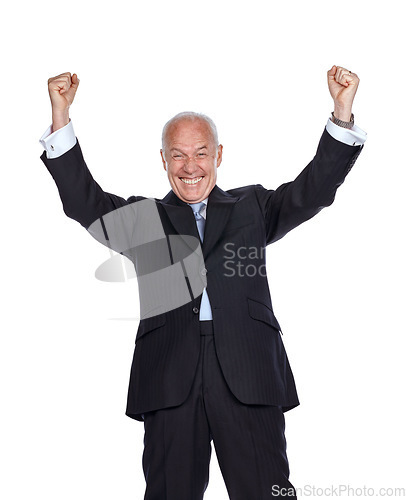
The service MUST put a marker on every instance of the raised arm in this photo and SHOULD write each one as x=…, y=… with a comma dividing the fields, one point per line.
x=82, y=198
x=315, y=187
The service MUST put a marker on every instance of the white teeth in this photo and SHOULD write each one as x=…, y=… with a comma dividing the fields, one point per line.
x=191, y=181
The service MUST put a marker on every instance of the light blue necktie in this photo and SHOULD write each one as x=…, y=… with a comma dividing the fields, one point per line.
x=205, y=308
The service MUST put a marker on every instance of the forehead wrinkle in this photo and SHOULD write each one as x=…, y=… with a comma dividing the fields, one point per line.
x=197, y=149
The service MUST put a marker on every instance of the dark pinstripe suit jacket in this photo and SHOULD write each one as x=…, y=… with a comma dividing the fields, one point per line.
x=239, y=224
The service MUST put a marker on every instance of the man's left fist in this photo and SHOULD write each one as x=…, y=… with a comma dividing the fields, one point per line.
x=342, y=85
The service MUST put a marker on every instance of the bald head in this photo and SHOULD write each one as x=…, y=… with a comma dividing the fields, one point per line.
x=192, y=117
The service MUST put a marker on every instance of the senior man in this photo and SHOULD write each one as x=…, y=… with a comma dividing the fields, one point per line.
x=212, y=367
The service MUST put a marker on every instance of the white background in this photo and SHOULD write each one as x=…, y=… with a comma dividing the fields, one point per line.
x=259, y=70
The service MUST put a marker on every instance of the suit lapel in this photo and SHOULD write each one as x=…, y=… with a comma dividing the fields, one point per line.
x=219, y=208
x=182, y=219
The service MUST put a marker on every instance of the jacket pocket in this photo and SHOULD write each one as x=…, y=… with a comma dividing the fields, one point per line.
x=261, y=312
x=149, y=324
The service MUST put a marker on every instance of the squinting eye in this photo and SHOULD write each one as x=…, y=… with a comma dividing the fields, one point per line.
x=202, y=154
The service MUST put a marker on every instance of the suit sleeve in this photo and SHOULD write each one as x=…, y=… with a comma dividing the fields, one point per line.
x=314, y=188
x=85, y=201
x=82, y=198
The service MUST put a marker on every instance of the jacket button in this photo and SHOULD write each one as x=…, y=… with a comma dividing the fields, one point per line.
x=204, y=271
x=195, y=310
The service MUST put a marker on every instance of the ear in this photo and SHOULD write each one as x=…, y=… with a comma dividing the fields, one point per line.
x=219, y=154
x=163, y=159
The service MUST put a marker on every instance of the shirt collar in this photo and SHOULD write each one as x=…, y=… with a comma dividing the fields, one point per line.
x=203, y=212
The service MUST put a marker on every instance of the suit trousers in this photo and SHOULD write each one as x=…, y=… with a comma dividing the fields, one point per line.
x=249, y=440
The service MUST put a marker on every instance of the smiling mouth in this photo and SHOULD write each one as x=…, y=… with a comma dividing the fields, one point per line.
x=185, y=180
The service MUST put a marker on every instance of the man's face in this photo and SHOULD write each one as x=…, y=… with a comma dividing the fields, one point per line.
x=191, y=159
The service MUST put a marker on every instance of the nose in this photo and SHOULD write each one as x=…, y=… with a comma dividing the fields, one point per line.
x=189, y=165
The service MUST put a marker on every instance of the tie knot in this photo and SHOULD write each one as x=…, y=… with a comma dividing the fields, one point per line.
x=197, y=209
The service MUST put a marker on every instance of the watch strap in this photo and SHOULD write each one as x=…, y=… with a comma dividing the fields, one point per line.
x=342, y=123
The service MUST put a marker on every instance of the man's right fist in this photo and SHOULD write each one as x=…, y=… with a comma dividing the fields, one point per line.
x=62, y=90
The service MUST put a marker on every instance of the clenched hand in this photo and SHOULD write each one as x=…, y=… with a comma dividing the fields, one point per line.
x=62, y=90
x=343, y=85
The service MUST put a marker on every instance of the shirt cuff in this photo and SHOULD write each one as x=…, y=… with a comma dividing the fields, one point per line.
x=354, y=136
x=59, y=142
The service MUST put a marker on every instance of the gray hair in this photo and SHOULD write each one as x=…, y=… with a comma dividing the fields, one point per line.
x=190, y=115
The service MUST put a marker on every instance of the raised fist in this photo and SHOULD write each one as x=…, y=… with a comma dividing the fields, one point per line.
x=342, y=85
x=62, y=90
